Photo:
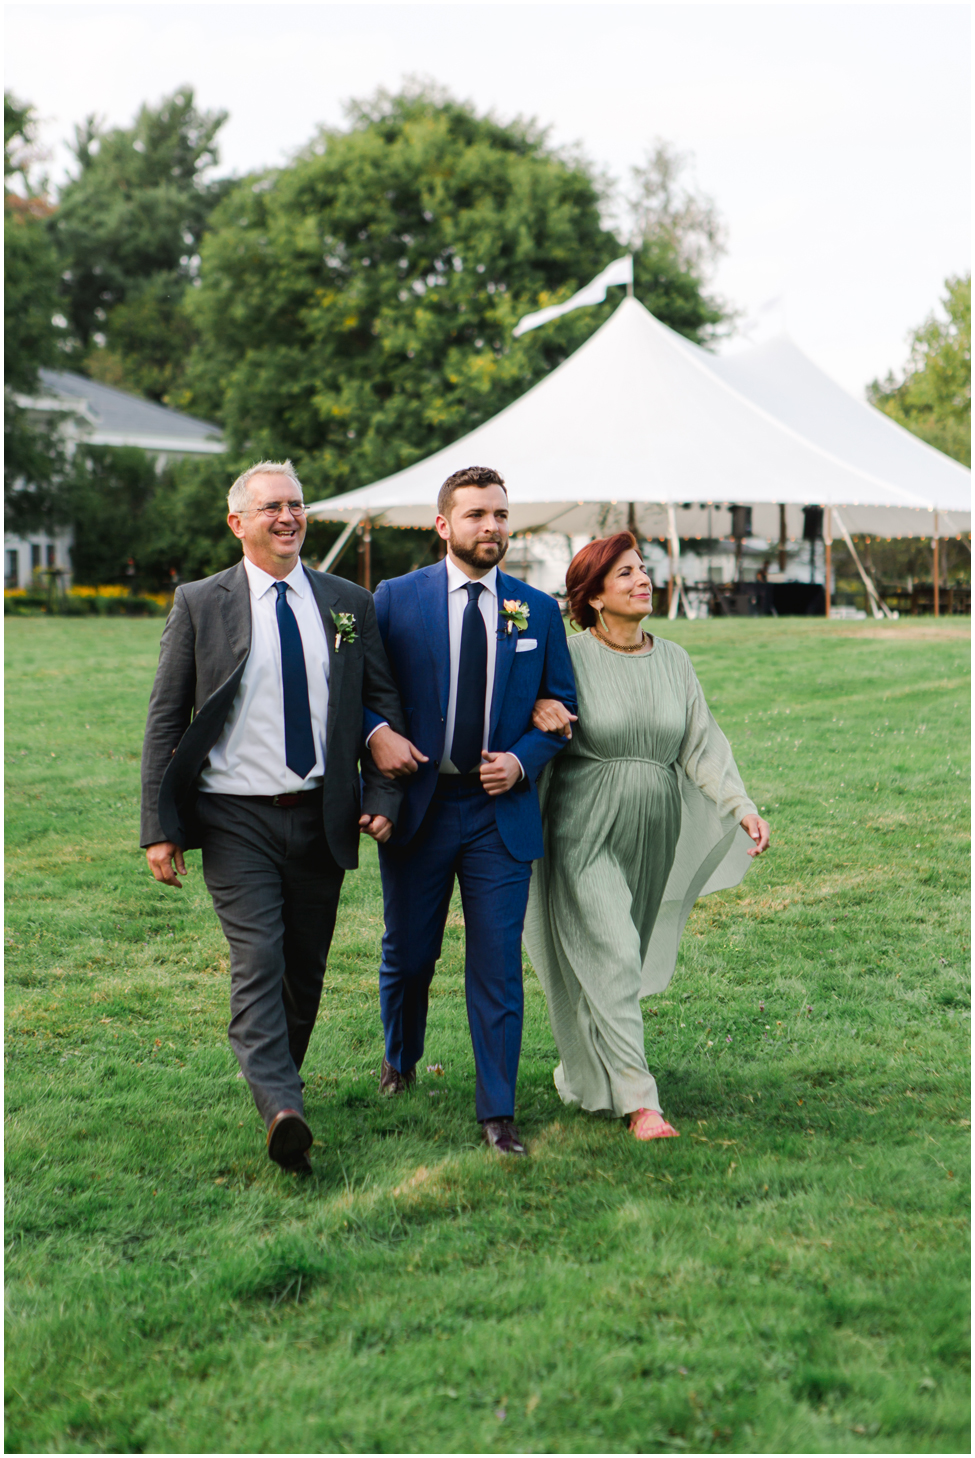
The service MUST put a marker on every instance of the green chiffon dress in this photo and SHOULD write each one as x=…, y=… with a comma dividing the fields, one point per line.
x=641, y=814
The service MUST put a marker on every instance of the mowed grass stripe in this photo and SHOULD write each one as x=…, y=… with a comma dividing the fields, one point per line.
x=790, y=1275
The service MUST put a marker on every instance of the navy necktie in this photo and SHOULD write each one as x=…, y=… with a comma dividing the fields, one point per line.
x=299, y=743
x=465, y=750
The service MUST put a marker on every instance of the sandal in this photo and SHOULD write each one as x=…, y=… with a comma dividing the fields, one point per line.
x=644, y=1125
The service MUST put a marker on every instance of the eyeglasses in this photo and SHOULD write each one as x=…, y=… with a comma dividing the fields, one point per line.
x=275, y=508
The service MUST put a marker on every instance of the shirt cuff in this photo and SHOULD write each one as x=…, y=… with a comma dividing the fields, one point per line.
x=383, y=725
x=516, y=760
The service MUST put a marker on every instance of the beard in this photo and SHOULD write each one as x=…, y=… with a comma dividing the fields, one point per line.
x=471, y=556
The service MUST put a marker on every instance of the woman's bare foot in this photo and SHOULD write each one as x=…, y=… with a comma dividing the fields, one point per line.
x=649, y=1124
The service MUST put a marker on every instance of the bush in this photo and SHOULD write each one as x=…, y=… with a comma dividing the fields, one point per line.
x=83, y=605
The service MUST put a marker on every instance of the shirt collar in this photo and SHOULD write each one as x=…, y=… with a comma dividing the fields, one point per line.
x=261, y=582
x=456, y=578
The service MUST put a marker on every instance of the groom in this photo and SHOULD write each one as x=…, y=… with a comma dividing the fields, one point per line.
x=471, y=650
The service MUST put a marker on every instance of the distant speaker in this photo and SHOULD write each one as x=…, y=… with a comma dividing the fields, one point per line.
x=812, y=526
x=741, y=522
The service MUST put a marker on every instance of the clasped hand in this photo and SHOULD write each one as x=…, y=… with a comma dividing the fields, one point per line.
x=395, y=757
x=380, y=827
x=553, y=717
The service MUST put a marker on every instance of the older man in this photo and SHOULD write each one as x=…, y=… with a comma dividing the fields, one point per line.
x=252, y=751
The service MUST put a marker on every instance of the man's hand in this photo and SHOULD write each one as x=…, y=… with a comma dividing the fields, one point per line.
x=553, y=717
x=378, y=826
x=393, y=755
x=161, y=857
x=499, y=772
x=759, y=831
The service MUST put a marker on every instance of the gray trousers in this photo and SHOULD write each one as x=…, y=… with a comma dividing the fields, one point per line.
x=275, y=888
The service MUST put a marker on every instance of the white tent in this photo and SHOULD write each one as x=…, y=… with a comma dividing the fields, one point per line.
x=640, y=416
x=780, y=379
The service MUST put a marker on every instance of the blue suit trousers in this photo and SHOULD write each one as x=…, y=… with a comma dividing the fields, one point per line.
x=458, y=838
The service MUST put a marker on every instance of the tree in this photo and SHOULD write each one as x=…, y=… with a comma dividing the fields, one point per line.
x=113, y=497
x=677, y=238
x=355, y=309
x=33, y=459
x=667, y=212
x=933, y=399
x=128, y=231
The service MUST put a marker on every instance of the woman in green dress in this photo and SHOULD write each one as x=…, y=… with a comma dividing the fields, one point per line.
x=643, y=811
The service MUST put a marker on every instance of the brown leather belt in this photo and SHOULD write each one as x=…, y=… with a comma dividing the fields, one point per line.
x=285, y=802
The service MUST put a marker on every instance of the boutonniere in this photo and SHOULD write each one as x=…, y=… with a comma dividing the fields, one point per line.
x=515, y=614
x=344, y=628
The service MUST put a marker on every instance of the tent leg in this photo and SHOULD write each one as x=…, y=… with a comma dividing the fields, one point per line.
x=330, y=559
x=782, y=537
x=674, y=584
x=877, y=605
x=828, y=542
x=937, y=567
x=365, y=554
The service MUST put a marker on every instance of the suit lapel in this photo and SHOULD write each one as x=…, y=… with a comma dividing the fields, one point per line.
x=327, y=598
x=431, y=591
x=505, y=654
x=236, y=611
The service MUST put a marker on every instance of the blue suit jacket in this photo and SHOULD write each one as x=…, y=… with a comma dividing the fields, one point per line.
x=412, y=616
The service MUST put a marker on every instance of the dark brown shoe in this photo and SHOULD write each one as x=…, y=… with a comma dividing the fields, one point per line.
x=392, y=1082
x=288, y=1138
x=501, y=1134
x=301, y=1167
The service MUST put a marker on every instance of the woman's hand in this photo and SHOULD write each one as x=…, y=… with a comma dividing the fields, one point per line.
x=553, y=717
x=759, y=831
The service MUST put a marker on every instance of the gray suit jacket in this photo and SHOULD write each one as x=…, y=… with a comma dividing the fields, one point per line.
x=204, y=648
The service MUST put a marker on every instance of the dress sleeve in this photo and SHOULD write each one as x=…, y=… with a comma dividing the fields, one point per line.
x=706, y=758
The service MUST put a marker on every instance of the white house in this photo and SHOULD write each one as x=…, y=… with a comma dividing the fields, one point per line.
x=85, y=411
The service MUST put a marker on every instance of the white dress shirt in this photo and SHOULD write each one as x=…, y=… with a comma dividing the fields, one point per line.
x=457, y=582
x=249, y=756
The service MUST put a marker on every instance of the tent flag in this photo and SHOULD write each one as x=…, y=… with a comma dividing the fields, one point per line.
x=619, y=272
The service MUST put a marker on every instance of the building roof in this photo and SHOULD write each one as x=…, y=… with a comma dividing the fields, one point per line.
x=114, y=417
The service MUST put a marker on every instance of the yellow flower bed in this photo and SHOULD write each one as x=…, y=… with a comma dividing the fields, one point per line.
x=109, y=589
x=115, y=589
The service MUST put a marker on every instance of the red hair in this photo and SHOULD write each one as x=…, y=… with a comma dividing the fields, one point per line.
x=587, y=574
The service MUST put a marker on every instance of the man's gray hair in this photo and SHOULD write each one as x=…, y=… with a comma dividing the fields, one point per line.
x=239, y=494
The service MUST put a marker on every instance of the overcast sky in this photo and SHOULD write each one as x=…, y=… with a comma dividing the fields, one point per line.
x=834, y=139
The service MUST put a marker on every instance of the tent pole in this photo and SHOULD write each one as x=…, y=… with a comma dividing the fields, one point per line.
x=877, y=605
x=782, y=537
x=828, y=541
x=337, y=548
x=365, y=553
x=937, y=573
x=674, y=584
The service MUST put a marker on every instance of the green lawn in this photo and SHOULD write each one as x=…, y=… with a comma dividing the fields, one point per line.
x=790, y=1275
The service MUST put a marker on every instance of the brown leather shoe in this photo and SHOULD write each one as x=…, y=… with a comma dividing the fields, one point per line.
x=288, y=1138
x=501, y=1134
x=392, y=1082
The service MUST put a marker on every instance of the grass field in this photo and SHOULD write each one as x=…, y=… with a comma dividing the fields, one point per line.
x=790, y=1275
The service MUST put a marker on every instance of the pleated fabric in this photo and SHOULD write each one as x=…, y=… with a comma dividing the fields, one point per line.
x=641, y=814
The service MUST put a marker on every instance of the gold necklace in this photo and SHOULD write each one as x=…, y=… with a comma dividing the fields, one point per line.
x=616, y=646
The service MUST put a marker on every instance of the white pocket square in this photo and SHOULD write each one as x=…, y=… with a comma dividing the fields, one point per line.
x=525, y=645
